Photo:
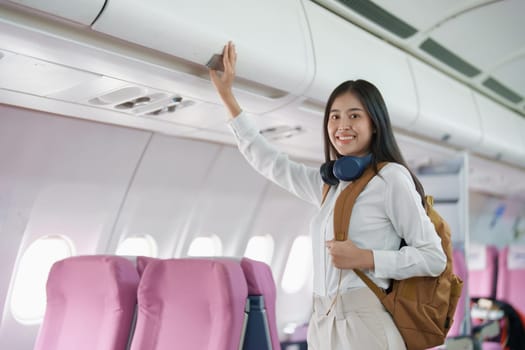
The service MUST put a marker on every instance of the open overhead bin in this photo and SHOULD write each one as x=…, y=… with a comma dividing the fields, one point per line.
x=503, y=132
x=345, y=52
x=447, y=111
x=79, y=11
x=275, y=61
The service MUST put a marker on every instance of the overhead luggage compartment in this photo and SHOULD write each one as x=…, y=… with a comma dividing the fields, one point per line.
x=447, y=111
x=345, y=52
x=79, y=11
x=502, y=132
x=275, y=61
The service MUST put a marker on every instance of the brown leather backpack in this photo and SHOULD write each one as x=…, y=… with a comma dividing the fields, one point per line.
x=422, y=307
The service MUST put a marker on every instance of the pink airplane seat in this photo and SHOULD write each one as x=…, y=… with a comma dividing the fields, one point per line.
x=482, y=283
x=90, y=304
x=509, y=300
x=195, y=304
x=511, y=276
x=511, y=284
x=482, y=268
x=459, y=336
x=261, y=332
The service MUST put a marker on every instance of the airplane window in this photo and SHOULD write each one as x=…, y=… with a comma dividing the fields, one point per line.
x=299, y=265
x=138, y=246
x=28, y=298
x=205, y=246
x=260, y=248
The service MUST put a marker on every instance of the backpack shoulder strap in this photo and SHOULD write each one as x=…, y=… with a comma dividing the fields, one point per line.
x=342, y=213
x=380, y=293
x=345, y=202
x=442, y=229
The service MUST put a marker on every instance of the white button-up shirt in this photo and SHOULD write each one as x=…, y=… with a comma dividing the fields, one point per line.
x=387, y=210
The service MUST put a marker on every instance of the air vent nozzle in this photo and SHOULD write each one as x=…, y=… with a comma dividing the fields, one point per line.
x=141, y=101
x=119, y=96
x=280, y=132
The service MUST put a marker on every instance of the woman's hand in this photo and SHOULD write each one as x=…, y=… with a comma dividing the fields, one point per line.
x=346, y=255
x=223, y=82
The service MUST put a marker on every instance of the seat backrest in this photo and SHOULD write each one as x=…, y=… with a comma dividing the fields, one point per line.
x=482, y=269
x=90, y=304
x=261, y=283
x=190, y=304
x=511, y=276
x=459, y=266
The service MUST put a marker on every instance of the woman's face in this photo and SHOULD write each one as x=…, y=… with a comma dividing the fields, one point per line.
x=349, y=126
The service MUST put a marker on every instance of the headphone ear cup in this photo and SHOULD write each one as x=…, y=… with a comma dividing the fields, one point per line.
x=327, y=173
x=350, y=168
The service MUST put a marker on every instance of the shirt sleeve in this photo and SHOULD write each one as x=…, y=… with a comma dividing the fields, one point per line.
x=423, y=255
x=303, y=181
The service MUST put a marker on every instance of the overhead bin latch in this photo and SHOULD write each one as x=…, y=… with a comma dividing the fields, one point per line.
x=216, y=63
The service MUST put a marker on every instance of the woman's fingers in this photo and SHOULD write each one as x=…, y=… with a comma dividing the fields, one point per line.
x=223, y=81
x=226, y=55
x=229, y=58
x=232, y=53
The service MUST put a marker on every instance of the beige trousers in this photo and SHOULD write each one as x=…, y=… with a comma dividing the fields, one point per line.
x=357, y=321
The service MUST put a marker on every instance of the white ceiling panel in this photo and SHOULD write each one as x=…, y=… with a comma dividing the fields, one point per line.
x=486, y=35
x=507, y=74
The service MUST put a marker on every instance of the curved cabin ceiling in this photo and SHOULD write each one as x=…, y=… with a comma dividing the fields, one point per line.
x=479, y=42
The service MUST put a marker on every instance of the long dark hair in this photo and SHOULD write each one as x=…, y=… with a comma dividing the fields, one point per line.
x=383, y=145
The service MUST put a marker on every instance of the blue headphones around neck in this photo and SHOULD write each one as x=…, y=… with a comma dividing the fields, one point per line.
x=345, y=169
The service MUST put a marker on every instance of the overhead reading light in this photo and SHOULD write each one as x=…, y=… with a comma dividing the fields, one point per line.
x=280, y=132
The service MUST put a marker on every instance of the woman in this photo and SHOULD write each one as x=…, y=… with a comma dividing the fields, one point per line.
x=389, y=209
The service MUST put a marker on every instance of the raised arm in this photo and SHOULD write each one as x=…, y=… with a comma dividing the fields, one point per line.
x=303, y=181
x=224, y=82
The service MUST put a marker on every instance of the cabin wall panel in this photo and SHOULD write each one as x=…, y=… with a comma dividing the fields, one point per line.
x=12, y=226
x=59, y=176
x=186, y=188
x=229, y=201
x=163, y=194
x=284, y=217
